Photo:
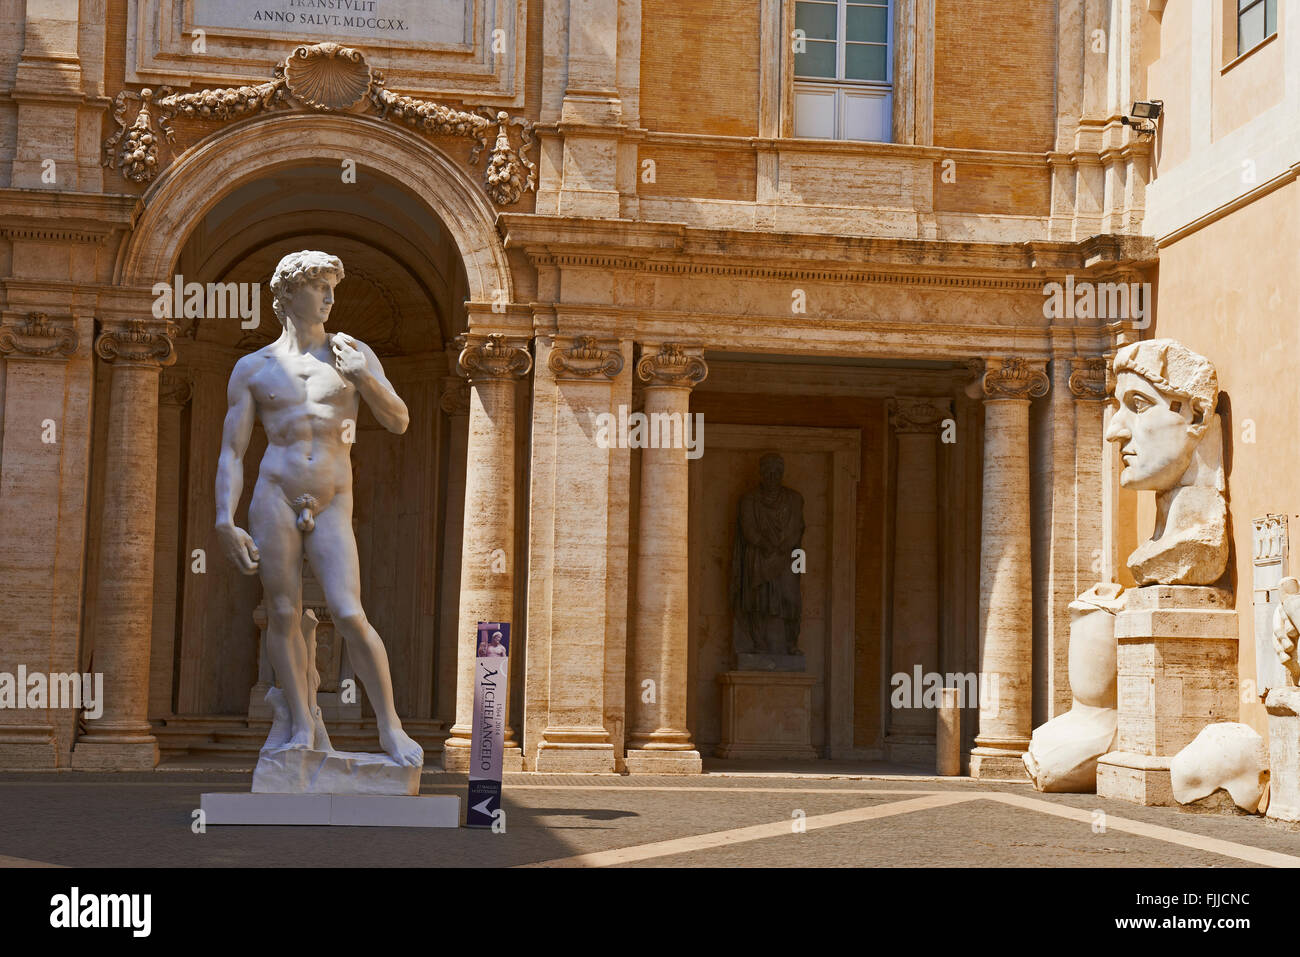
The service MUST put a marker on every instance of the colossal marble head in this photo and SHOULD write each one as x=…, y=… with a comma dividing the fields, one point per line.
x=293, y=271
x=1166, y=395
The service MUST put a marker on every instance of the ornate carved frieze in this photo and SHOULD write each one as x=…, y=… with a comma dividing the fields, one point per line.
x=925, y=414
x=1015, y=378
x=328, y=78
x=455, y=396
x=585, y=359
x=494, y=357
x=174, y=388
x=1089, y=377
x=137, y=340
x=672, y=365
x=39, y=336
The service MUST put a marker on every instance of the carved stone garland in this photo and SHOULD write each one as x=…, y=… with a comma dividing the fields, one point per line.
x=326, y=77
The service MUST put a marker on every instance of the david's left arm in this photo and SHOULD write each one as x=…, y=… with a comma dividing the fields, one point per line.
x=359, y=363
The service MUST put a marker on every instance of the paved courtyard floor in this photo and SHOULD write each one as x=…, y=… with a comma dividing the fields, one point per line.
x=733, y=818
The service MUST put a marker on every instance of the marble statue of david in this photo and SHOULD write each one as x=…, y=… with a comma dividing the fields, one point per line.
x=305, y=388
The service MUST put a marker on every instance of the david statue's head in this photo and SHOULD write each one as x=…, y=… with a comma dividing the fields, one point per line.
x=303, y=286
x=1166, y=396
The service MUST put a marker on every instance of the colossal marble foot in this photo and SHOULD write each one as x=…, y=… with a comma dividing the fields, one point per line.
x=399, y=746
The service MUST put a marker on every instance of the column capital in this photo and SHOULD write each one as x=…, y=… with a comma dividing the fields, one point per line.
x=918, y=413
x=37, y=336
x=672, y=364
x=494, y=356
x=174, y=388
x=584, y=357
x=1014, y=377
x=455, y=396
x=1090, y=377
x=137, y=341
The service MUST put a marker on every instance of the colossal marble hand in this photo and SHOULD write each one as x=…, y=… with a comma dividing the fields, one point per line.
x=305, y=388
x=1170, y=443
x=1286, y=630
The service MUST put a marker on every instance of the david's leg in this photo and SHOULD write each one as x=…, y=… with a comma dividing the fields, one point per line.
x=332, y=550
x=272, y=524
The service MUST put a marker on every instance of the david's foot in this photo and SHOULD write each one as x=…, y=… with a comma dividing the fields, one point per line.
x=399, y=746
x=302, y=738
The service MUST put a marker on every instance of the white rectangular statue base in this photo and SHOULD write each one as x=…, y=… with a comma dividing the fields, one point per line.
x=351, y=810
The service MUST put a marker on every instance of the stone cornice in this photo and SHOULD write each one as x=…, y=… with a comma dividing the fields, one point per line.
x=38, y=337
x=494, y=356
x=1014, y=377
x=673, y=365
x=137, y=341
x=585, y=358
x=678, y=249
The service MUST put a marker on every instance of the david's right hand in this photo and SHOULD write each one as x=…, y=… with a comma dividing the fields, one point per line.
x=239, y=548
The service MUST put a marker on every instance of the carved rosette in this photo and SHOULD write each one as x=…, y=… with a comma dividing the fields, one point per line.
x=672, y=365
x=585, y=359
x=494, y=357
x=174, y=389
x=38, y=336
x=911, y=415
x=1090, y=377
x=1015, y=378
x=455, y=396
x=137, y=341
x=326, y=78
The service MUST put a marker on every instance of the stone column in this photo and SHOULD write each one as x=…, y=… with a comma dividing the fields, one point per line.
x=493, y=364
x=45, y=390
x=174, y=394
x=586, y=642
x=454, y=403
x=914, y=646
x=658, y=740
x=1006, y=570
x=121, y=738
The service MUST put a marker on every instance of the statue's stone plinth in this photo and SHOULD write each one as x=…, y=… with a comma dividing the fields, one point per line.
x=302, y=771
x=1177, y=663
x=766, y=714
x=765, y=662
x=348, y=810
x=1283, y=706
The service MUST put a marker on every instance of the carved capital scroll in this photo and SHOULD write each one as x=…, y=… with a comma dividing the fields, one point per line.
x=1015, y=378
x=494, y=357
x=137, y=341
x=39, y=336
x=672, y=365
x=585, y=359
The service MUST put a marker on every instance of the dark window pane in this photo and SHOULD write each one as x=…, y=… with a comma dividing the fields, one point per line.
x=1270, y=18
x=867, y=23
x=818, y=61
x=1250, y=28
x=866, y=62
x=816, y=20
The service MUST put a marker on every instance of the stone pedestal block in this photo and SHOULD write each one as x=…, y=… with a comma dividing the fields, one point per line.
x=1284, y=753
x=1177, y=662
x=766, y=714
x=302, y=771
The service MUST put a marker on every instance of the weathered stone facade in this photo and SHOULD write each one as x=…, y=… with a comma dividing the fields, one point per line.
x=609, y=214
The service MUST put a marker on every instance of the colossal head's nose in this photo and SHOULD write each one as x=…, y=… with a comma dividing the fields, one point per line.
x=1119, y=428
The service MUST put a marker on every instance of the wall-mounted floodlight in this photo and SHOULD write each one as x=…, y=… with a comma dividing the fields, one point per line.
x=1149, y=110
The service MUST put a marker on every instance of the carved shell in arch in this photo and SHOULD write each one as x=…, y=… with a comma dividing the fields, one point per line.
x=327, y=76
